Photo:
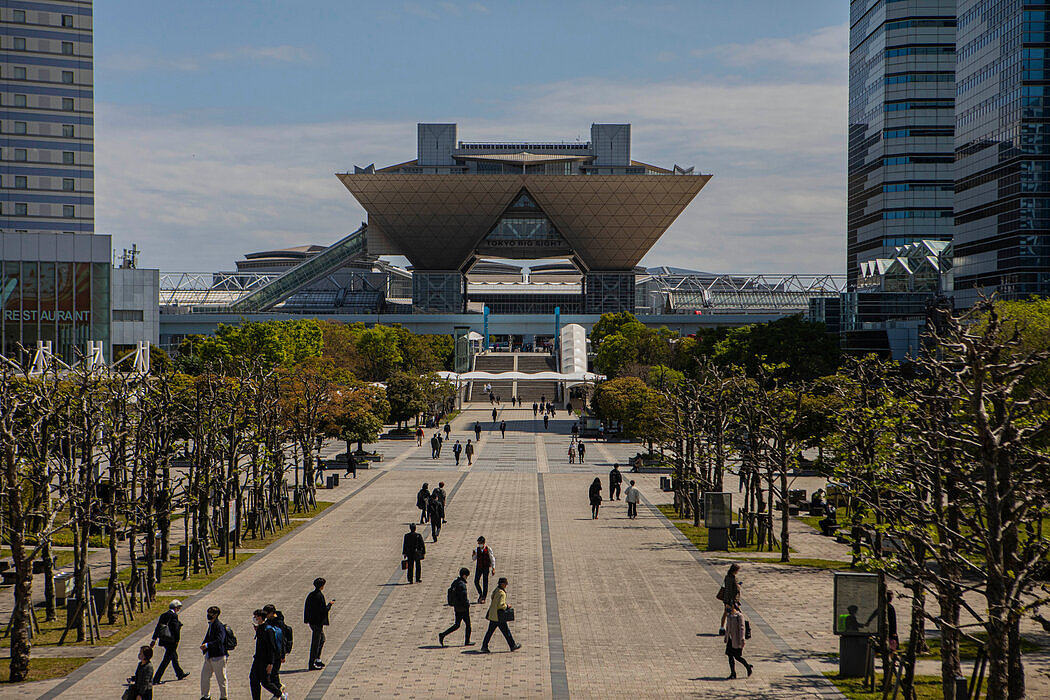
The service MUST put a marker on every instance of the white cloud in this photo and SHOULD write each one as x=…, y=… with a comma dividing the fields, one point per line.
x=255, y=54
x=827, y=47
x=198, y=196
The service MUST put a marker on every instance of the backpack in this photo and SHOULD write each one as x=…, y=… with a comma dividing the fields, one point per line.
x=451, y=599
x=231, y=639
x=286, y=641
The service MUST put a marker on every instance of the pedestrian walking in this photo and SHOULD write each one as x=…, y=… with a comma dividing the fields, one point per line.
x=493, y=415
x=315, y=614
x=470, y=452
x=535, y=409
x=421, y=502
x=576, y=429
x=215, y=648
x=140, y=686
x=736, y=636
x=434, y=446
x=267, y=655
x=615, y=479
x=546, y=422
x=503, y=428
x=441, y=441
x=448, y=429
x=439, y=493
x=275, y=618
x=581, y=449
x=419, y=436
x=543, y=401
x=351, y=464
x=486, y=563
x=168, y=632
x=632, y=496
x=436, y=511
x=513, y=401
x=413, y=550
x=477, y=431
x=595, y=496
x=498, y=617
x=730, y=594
x=572, y=453
x=457, y=450
x=460, y=602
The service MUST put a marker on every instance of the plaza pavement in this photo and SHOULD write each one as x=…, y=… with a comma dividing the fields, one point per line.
x=607, y=608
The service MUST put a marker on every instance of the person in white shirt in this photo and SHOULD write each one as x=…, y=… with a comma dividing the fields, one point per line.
x=632, y=496
x=486, y=563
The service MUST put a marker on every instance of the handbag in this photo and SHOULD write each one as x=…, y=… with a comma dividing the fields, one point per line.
x=506, y=614
x=721, y=595
x=747, y=629
x=129, y=693
x=404, y=564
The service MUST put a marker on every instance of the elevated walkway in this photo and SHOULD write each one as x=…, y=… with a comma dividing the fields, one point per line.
x=527, y=390
x=309, y=271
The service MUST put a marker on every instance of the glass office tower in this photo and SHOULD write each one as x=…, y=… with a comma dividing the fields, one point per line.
x=54, y=273
x=901, y=126
x=1002, y=201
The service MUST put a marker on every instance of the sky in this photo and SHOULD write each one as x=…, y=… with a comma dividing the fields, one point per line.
x=219, y=126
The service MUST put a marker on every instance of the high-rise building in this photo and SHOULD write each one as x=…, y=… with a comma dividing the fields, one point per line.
x=1002, y=168
x=901, y=126
x=54, y=284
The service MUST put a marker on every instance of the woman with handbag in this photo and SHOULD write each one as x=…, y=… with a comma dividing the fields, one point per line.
x=140, y=686
x=499, y=615
x=730, y=594
x=595, y=495
x=737, y=633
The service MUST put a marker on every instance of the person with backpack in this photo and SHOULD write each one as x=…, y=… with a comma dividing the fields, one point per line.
x=267, y=655
x=440, y=495
x=486, y=562
x=460, y=602
x=216, y=649
x=413, y=549
x=315, y=614
x=283, y=634
x=477, y=431
x=469, y=451
x=167, y=632
x=422, y=497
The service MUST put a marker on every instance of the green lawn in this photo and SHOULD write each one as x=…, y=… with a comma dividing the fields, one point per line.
x=42, y=669
x=968, y=647
x=696, y=535
x=829, y=564
x=926, y=687
x=51, y=632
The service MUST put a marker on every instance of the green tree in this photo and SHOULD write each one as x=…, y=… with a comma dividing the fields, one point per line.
x=799, y=349
x=623, y=323
x=614, y=354
x=407, y=395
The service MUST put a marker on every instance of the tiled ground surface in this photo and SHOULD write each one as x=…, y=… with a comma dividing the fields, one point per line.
x=632, y=610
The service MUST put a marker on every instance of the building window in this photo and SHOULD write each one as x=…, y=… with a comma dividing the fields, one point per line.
x=67, y=184
x=21, y=182
x=67, y=131
x=67, y=20
x=20, y=100
x=19, y=73
x=67, y=157
x=20, y=154
x=20, y=127
x=128, y=315
x=67, y=211
x=67, y=48
x=67, y=104
x=19, y=16
x=21, y=209
x=67, y=76
x=20, y=43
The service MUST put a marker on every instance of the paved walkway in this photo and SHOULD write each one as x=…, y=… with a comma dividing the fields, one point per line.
x=605, y=609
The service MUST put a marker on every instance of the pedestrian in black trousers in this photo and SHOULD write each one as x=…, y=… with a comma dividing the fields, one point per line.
x=503, y=428
x=436, y=512
x=486, y=562
x=267, y=655
x=615, y=479
x=422, y=498
x=167, y=632
x=499, y=604
x=315, y=614
x=461, y=605
x=477, y=432
x=594, y=493
x=413, y=550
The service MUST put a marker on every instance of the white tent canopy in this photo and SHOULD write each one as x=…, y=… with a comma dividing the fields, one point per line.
x=474, y=335
x=511, y=376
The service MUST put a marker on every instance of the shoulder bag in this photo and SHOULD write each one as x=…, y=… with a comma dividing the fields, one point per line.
x=506, y=614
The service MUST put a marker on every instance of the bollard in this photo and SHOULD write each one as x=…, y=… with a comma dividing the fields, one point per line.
x=962, y=689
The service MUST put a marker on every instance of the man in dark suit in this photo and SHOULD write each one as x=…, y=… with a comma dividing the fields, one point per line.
x=413, y=550
x=315, y=614
x=167, y=632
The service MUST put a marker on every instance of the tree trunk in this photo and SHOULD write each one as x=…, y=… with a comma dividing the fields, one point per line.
x=916, y=640
x=785, y=553
x=49, y=573
x=20, y=620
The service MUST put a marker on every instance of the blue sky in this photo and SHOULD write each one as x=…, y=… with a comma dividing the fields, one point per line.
x=219, y=125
